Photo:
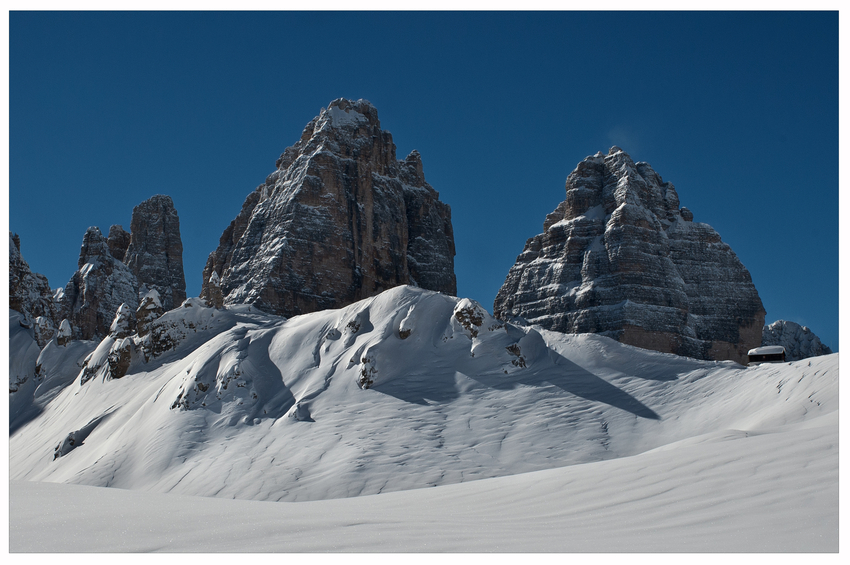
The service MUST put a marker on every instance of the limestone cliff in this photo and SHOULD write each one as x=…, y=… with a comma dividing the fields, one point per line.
x=620, y=258
x=339, y=220
x=155, y=251
x=97, y=289
x=29, y=293
x=124, y=267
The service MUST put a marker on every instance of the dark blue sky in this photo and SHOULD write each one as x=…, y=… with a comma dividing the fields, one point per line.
x=738, y=110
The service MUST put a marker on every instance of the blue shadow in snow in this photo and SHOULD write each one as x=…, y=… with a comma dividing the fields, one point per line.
x=441, y=387
x=576, y=380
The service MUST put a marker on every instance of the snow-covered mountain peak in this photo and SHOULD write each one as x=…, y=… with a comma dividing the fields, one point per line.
x=343, y=113
x=619, y=160
x=360, y=106
x=342, y=123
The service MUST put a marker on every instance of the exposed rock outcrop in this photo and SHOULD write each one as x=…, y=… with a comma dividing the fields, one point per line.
x=124, y=267
x=98, y=287
x=149, y=310
x=155, y=251
x=215, y=298
x=64, y=334
x=118, y=242
x=799, y=341
x=113, y=355
x=29, y=293
x=620, y=258
x=124, y=323
x=338, y=221
x=43, y=330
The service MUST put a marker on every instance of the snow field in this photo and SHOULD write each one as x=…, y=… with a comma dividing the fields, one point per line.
x=411, y=390
x=773, y=492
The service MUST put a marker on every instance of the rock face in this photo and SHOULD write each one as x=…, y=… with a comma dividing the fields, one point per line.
x=149, y=310
x=215, y=298
x=118, y=242
x=338, y=221
x=799, y=341
x=620, y=258
x=64, y=334
x=96, y=290
x=155, y=251
x=29, y=293
x=124, y=267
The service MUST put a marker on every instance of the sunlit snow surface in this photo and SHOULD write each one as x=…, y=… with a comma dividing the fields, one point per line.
x=598, y=446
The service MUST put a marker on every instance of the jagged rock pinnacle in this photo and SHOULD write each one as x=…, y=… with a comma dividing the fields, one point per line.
x=341, y=219
x=120, y=269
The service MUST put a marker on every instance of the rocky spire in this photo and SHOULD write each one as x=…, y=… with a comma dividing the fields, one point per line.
x=619, y=257
x=124, y=267
x=97, y=289
x=29, y=293
x=341, y=219
x=155, y=251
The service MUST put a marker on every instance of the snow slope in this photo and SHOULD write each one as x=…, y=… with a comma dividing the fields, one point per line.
x=414, y=389
x=726, y=492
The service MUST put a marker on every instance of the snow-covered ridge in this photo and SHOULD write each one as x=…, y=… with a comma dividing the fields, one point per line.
x=404, y=390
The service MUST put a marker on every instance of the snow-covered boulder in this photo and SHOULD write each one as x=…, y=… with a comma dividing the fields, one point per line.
x=66, y=445
x=168, y=331
x=97, y=362
x=65, y=333
x=471, y=318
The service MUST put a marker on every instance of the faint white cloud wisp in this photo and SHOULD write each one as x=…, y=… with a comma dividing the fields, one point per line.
x=626, y=140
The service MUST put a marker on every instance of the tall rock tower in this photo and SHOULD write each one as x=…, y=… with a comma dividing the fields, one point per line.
x=619, y=257
x=338, y=221
x=155, y=251
x=123, y=267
